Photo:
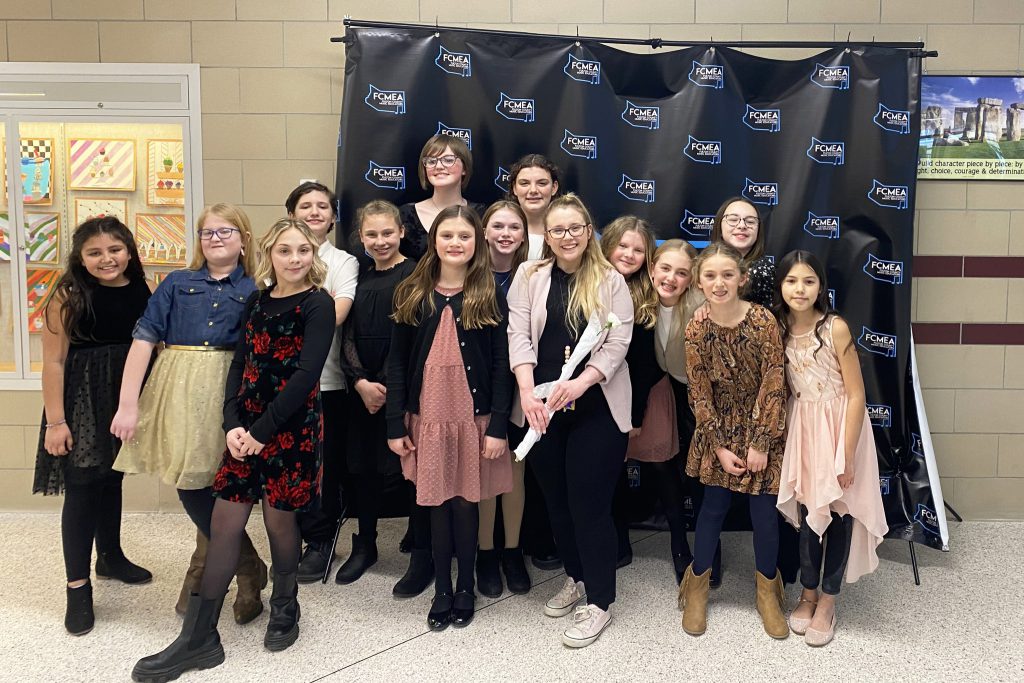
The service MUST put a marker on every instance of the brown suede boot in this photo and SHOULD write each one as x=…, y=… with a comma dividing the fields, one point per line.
x=251, y=577
x=771, y=605
x=194, y=574
x=693, y=600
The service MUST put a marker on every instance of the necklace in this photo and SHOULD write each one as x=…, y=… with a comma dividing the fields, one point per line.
x=437, y=209
x=505, y=281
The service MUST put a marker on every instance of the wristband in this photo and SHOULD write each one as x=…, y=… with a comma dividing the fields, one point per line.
x=56, y=424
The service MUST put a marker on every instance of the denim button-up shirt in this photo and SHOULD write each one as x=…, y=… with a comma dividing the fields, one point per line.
x=190, y=308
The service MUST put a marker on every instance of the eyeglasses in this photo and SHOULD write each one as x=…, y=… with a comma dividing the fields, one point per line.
x=734, y=219
x=206, y=234
x=447, y=161
x=576, y=229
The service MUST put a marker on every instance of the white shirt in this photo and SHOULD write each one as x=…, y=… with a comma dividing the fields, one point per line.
x=342, y=276
x=536, y=246
x=662, y=328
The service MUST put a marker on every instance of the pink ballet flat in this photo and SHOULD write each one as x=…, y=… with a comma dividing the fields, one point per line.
x=821, y=638
x=799, y=625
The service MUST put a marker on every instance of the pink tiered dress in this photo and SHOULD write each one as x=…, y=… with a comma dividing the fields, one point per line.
x=816, y=453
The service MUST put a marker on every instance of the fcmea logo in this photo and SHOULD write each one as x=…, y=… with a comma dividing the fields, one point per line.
x=890, y=272
x=642, y=116
x=387, y=101
x=831, y=297
x=703, y=151
x=880, y=415
x=697, y=226
x=767, y=120
x=880, y=343
x=760, y=192
x=386, y=177
x=888, y=196
x=583, y=70
x=707, y=75
x=454, y=63
x=884, y=485
x=916, y=445
x=833, y=153
x=892, y=120
x=501, y=180
x=637, y=190
x=515, y=109
x=576, y=145
x=464, y=134
x=927, y=518
x=822, y=226
x=833, y=77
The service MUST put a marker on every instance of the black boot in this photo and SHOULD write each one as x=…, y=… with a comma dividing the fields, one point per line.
x=79, y=618
x=313, y=564
x=716, y=568
x=547, y=560
x=680, y=561
x=364, y=556
x=116, y=566
x=488, y=578
x=516, y=576
x=283, y=627
x=417, y=577
x=198, y=646
x=405, y=545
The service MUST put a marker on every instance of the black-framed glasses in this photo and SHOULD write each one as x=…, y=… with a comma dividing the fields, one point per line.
x=575, y=230
x=224, y=233
x=447, y=161
x=734, y=219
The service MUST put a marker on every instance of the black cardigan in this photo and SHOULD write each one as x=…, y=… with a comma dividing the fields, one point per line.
x=484, y=353
x=644, y=371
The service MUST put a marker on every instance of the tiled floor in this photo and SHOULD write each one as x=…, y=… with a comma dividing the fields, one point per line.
x=964, y=623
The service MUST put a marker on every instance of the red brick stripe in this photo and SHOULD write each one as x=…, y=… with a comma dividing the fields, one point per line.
x=938, y=266
x=997, y=334
x=994, y=266
x=936, y=333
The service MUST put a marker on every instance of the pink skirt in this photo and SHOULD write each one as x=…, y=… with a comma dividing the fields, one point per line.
x=658, y=440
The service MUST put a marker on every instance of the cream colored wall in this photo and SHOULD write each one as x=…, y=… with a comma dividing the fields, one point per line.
x=271, y=94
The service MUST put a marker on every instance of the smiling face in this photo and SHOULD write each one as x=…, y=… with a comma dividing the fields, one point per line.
x=504, y=232
x=743, y=234
x=381, y=237
x=441, y=176
x=292, y=257
x=720, y=279
x=568, y=249
x=455, y=241
x=801, y=288
x=105, y=258
x=629, y=254
x=671, y=276
x=315, y=210
x=534, y=188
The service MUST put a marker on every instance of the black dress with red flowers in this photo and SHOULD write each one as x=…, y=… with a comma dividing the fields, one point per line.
x=273, y=391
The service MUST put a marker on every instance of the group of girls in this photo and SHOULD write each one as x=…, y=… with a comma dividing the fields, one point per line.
x=422, y=357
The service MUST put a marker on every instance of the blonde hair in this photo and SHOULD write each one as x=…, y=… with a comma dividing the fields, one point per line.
x=378, y=207
x=523, y=250
x=641, y=289
x=586, y=283
x=265, y=276
x=236, y=217
x=692, y=298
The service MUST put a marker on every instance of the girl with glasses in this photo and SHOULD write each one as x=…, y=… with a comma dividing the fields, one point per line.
x=738, y=224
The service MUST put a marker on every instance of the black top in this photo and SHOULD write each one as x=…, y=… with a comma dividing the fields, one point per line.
x=414, y=244
x=366, y=334
x=503, y=281
x=556, y=335
x=484, y=351
x=318, y=319
x=761, y=289
x=115, y=310
x=644, y=371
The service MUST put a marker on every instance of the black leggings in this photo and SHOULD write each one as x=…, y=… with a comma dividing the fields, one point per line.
x=837, y=552
x=454, y=525
x=668, y=481
x=92, y=512
x=198, y=504
x=764, y=517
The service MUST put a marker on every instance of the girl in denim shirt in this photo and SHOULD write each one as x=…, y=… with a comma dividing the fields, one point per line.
x=174, y=428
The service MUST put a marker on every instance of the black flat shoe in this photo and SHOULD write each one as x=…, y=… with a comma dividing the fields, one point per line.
x=440, y=614
x=463, y=608
x=546, y=561
x=118, y=567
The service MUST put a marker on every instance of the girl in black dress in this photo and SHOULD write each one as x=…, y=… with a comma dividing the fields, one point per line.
x=88, y=332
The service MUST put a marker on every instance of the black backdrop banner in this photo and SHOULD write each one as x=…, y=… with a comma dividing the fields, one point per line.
x=826, y=147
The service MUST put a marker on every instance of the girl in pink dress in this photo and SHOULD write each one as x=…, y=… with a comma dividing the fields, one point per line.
x=829, y=486
x=449, y=395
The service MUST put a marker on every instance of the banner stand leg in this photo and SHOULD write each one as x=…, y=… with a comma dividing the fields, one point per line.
x=337, y=532
x=956, y=515
x=913, y=563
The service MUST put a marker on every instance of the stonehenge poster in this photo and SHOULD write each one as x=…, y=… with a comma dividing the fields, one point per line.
x=971, y=128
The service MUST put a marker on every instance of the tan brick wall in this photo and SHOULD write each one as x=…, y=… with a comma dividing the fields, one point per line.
x=271, y=89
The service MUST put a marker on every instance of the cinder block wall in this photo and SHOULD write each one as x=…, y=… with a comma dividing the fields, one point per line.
x=271, y=92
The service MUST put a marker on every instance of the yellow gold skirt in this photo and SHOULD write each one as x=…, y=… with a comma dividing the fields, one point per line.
x=180, y=435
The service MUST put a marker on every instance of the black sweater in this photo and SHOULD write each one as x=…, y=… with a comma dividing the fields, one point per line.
x=644, y=371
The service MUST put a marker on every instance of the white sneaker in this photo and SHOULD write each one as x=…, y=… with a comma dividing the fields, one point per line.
x=566, y=599
x=588, y=621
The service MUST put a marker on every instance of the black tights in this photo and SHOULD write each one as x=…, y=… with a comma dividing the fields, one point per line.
x=91, y=512
x=226, y=531
x=764, y=517
x=454, y=525
x=198, y=506
x=837, y=552
x=669, y=483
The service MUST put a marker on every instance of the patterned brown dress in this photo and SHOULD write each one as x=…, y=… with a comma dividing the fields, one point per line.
x=738, y=394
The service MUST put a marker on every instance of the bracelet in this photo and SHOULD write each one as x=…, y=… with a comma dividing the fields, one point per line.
x=56, y=424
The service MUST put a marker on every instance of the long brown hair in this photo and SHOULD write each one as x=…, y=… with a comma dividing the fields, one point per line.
x=757, y=249
x=413, y=296
x=728, y=251
x=523, y=250
x=641, y=289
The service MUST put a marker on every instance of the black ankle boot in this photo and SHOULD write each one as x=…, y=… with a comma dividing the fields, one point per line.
x=417, y=577
x=116, y=566
x=283, y=627
x=79, y=617
x=488, y=578
x=364, y=556
x=314, y=562
x=716, y=568
x=680, y=561
x=516, y=576
x=405, y=545
x=197, y=647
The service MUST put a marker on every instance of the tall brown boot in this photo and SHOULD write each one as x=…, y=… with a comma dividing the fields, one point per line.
x=251, y=577
x=194, y=574
x=771, y=605
x=693, y=600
